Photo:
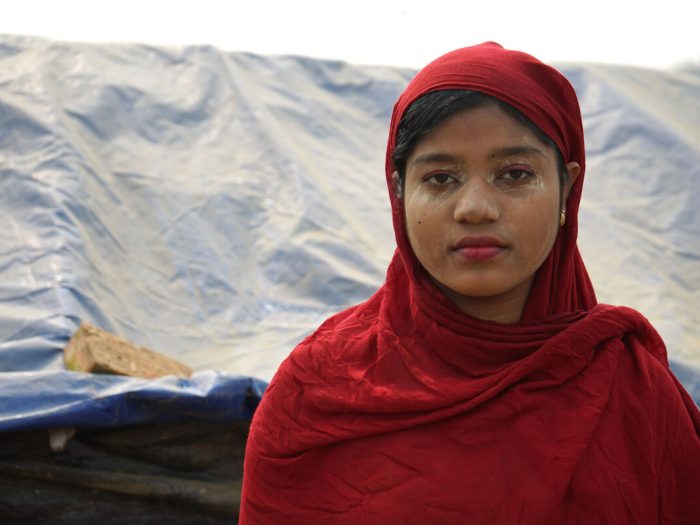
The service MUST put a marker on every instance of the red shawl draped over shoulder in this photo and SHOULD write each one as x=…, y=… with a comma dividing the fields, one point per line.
x=403, y=410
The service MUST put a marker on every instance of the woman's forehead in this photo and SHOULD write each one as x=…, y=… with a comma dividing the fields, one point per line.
x=487, y=126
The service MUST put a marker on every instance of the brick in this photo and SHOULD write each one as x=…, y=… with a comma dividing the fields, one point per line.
x=91, y=349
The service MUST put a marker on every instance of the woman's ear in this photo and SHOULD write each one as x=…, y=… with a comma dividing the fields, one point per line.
x=573, y=169
x=396, y=183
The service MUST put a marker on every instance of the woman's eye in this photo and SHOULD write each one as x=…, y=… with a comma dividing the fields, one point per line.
x=439, y=178
x=517, y=174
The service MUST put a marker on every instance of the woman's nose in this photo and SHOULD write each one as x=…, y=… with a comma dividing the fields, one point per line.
x=476, y=203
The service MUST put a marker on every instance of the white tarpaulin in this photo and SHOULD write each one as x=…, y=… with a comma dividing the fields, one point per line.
x=216, y=207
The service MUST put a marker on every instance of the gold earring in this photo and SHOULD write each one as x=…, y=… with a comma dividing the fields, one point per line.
x=562, y=218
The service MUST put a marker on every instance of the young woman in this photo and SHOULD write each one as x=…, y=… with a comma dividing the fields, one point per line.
x=482, y=383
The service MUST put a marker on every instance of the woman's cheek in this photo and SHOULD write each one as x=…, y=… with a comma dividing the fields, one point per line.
x=416, y=208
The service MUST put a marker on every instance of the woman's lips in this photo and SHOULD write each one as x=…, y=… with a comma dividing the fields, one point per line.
x=479, y=249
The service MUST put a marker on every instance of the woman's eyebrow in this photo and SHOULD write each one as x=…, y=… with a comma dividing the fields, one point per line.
x=517, y=150
x=433, y=158
x=508, y=151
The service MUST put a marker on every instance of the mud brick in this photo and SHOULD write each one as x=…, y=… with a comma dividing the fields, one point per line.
x=91, y=349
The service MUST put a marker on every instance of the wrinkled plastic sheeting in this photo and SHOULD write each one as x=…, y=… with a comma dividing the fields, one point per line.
x=640, y=214
x=48, y=399
x=214, y=207
x=217, y=207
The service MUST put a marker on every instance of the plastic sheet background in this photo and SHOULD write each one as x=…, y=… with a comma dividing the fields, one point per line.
x=217, y=207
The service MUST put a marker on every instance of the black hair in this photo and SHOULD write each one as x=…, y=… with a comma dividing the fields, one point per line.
x=429, y=111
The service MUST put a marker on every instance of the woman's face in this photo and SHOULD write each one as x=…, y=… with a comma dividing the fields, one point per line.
x=482, y=208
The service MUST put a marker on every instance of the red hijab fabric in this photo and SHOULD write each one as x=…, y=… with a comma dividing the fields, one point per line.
x=405, y=410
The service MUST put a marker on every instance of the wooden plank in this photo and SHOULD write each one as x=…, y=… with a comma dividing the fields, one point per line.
x=91, y=349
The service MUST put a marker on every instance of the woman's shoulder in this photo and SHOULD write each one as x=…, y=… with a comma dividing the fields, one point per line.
x=340, y=333
x=341, y=339
x=643, y=370
x=311, y=383
x=606, y=322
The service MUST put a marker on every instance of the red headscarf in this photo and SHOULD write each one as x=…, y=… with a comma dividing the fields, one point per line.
x=405, y=410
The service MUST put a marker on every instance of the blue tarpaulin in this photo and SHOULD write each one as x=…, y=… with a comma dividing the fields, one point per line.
x=217, y=207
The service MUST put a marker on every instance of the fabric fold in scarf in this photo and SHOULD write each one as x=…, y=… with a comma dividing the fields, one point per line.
x=405, y=410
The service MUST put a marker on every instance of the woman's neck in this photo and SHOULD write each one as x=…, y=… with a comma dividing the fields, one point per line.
x=504, y=308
